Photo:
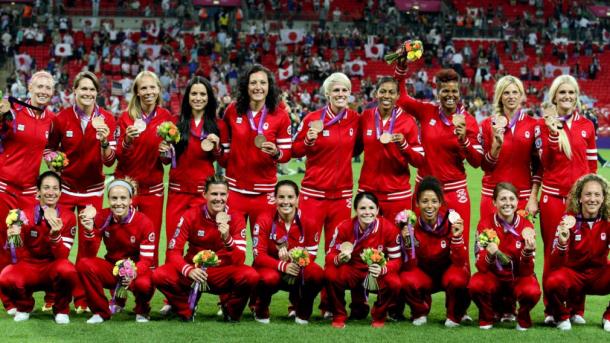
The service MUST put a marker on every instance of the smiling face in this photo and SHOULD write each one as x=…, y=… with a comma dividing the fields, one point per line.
x=198, y=97
x=387, y=94
x=591, y=199
x=85, y=93
x=148, y=92
x=449, y=96
x=338, y=96
x=119, y=200
x=429, y=204
x=49, y=191
x=41, y=91
x=258, y=86
x=286, y=201
x=511, y=98
x=565, y=98
x=366, y=211
x=506, y=204
x=216, y=196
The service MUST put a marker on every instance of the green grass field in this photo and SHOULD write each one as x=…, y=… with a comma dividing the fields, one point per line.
x=208, y=327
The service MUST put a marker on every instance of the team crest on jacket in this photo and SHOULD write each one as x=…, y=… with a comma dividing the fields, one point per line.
x=69, y=134
x=254, y=242
x=583, y=133
x=316, y=237
x=266, y=126
x=603, y=236
x=432, y=122
x=20, y=127
x=200, y=233
x=73, y=231
x=369, y=132
x=151, y=237
x=243, y=233
x=132, y=239
x=351, y=132
x=172, y=244
x=106, y=233
x=538, y=143
x=577, y=238
x=527, y=134
x=380, y=247
x=46, y=134
x=256, y=229
x=518, y=244
x=238, y=120
x=443, y=244
x=289, y=130
x=34, y=233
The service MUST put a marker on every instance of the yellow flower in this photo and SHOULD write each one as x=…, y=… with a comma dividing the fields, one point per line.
x=115, y=271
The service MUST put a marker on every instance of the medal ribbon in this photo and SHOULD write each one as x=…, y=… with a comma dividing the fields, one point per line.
x=444, y=119
x=379, y=126
x=284, y=239
x=335, y=119
x=261, y=121
x=365, y=234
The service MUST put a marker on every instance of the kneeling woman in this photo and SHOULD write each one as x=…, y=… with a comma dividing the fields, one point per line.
x=208, y=227
x=435, y=257
x=127, y=234
x=42, y=263
x=346, y=269
x=505, y=268
x=275, y=237
x=579, y=257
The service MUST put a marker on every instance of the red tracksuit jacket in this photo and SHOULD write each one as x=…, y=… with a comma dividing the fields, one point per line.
x=328, y=167
x=560, y=173
x=84, y=173
x=511, y=245
x=200, y=231
x=386, y=166
x=38, y=244
x=587, y=247
x=248, y=168
x=518, y=162
x=134, y=238
x=265, y=240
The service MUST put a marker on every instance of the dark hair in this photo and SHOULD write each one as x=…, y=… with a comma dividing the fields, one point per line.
x=430, y=183
x=504, y=186
x=288, y=183
x=46, y=174
x=243, y=99
x=387, y=79
x=186, y=114
x=365, y=195
x=215, y=180
x=446, y=75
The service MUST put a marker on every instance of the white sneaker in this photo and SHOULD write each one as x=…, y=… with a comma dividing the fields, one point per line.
x=141, y=319
x=292, y=314
x=220, y=313
x=62, y=318
x=486, y=327
x=262, y=320
x=549, y=320
x=12, y=311
x=564, y=325
x=300, y=321
x=419, y=321
x=165, y=310
x=21, y=316
x=519, y=328
x=578, y=319
x=466, y=319
x=451, y=324
x=508, y=318
x=327, y=315
x=95, y=319
x=606, y=325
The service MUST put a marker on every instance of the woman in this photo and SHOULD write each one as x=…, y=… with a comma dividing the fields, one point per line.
x=127, y=234
x=208, y=227
x=505, y=269
x=196, y=152
x=578, y=261
x=567, y=151
x=274, y=237
x=449, y=135
x=435, y=257
x=138, y=152
x=345, y=268
x=327, y=138
x=259, y=138
x=508, y=143
x=391, y=144
x=23, y=137
x=42, y=263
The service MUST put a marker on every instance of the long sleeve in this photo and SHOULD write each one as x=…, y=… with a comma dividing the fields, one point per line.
x=261, y=250
x=147, y=243
x=472, y=146
x=526, y=263
x=283, y=140
x=61, y=243
x=301, y=146
x=592, y=150
x=488, y=162
x=458, y=252
x=392, y=249
x=413, y=151
x=236, y=243
x=175, y=248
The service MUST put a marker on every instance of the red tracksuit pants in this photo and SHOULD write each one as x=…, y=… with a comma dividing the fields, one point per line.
x=485, y=288
x=346, y=276
x=18, y=281
x=327, y=213
x=564, y=284
x=251, y=206
x=96, y=275
x=152, y=206
x=237, y=282
x=177, y=204
x=390, y=208
x=304, y=289
x=418, y=286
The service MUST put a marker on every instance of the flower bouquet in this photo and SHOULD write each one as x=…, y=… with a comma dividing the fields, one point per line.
x=525, y=214
x=203, y=260
x=169, y=132
x=124, y=270
x=15, y=217
x=300, y=257
x=57, y=160
x=490, y=236
x=372, y=256
x=410, y=50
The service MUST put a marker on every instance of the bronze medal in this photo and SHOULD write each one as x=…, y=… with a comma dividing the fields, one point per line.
x=458, y=119
x=222, y=218
x=50, y=213
x=97, y=122
x=207, y=145
x=528, y=233
x=499, y=122
x=346, y=248
x=317, y=125
x=569, y=221
x=89, y=212
x=385, y=138
x=5, y=106
x=259, y=140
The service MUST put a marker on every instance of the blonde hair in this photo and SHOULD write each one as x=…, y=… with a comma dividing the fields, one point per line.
x=130, y=184
x=42, y=74
x=339, y=78
x=574, y=205
x=135, y=107
x=560, y=80
x=499, y=89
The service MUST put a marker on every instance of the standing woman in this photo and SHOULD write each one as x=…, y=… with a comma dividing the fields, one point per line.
x=391, y=144
x=505, y=270
x=23, y=137
x=578, y=262
x=509, y=146
x=198, y=148
x=435, y=257
x=449, y=135
x=259, y=138
x=127, y=234
x=328, y=137
x=345, y=268
x=138, y=147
